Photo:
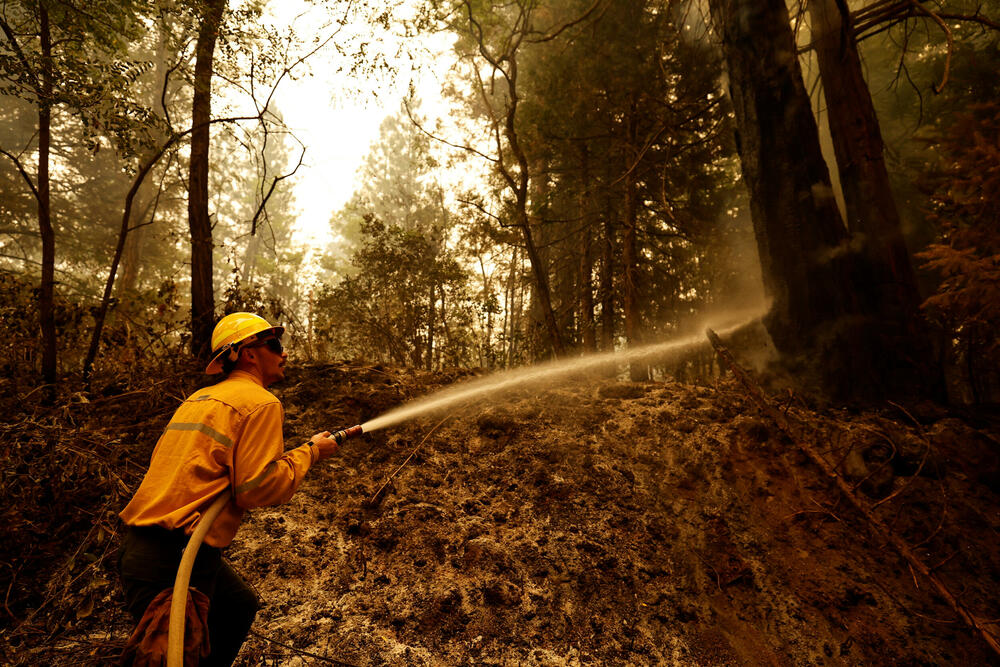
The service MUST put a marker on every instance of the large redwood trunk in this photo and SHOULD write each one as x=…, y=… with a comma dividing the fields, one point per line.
x=897, y=327
x=809, y=268
x=202, y=290
x=872, y=216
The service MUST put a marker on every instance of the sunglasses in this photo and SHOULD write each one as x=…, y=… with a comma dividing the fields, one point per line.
x=273, y=344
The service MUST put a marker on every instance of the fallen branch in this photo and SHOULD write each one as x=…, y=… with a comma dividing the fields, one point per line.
x=403, y=464
x=300, y=652
x=987, y=629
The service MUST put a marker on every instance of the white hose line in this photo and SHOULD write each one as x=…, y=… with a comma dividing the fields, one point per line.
x=178, y=604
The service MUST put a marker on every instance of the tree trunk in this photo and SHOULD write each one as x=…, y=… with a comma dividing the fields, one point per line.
x=871, y=213
x=872, y=216
x=541, y=291
x=147, y=194
x=585, y=283
x=808, y=266
x=638, y=371
x=795, y=218
x=431, y=314
x=485, y=346
x=542, y=294
x=132, y=254
x=102, y=311
x=202, y=290
x=607, y=276
x=445, y=333
x=512, y=309
x=46, y=292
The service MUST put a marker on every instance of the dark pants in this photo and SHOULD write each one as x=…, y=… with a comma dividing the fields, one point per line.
x=148, y=563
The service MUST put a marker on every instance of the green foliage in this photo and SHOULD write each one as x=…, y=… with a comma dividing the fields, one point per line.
x=146, y=330
x=627, y=90
x=408, y=303
x=966, y=207
x=93, y=68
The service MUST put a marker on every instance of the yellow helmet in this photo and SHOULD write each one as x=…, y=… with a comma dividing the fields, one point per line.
x=232, y=332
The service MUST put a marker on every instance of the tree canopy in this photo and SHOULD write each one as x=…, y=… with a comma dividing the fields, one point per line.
x=586, y=190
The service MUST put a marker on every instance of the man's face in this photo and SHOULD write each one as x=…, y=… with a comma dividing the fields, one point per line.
x=270, y=359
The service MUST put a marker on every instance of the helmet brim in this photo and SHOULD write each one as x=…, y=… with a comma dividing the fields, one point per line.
x=214, y=367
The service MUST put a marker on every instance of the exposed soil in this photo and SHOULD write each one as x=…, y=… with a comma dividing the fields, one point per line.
x=602, y=522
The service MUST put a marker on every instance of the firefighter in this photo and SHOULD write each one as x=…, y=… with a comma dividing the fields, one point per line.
x=225, y=436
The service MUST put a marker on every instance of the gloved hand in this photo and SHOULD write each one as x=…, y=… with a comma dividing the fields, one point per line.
x=326, y=445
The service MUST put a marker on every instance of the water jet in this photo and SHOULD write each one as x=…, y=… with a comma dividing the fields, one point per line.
x=450, y=397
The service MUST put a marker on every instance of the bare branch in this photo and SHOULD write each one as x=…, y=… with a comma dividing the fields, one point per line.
x=951, y=41
x=469, y=149
x=36, y=84
x=274, y=183
x=23, y=172
x=482, y=209
x=972, y=18
x=553, y=33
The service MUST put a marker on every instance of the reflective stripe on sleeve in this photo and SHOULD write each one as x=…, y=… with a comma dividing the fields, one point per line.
x=201, y=428
x=252, y=484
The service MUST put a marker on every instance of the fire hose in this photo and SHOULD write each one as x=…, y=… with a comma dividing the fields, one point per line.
x=178, y=602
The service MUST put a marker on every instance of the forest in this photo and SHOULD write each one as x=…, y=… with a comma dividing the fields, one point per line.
x=590, y=184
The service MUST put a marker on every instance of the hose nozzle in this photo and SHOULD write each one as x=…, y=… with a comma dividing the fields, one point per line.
x=347, y=434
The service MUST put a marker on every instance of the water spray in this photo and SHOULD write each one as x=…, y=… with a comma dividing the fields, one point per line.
x=462, y=393
x=448, y=398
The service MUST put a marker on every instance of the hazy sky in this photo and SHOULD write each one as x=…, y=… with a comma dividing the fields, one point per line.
x=337, y=116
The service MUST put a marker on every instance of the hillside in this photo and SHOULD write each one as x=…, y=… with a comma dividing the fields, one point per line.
x=597, y=522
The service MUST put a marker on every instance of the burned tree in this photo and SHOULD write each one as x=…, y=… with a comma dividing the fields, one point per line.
x=811, y=269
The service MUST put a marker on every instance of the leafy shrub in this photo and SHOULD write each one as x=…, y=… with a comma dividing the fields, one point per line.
x=966, y=207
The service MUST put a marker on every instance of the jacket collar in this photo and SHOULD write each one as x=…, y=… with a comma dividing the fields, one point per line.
x=244, y=375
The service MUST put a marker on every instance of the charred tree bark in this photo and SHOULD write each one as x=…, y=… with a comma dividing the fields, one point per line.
x=857, y=143
x=871, y=213
x=200, y=224
x=809, y=267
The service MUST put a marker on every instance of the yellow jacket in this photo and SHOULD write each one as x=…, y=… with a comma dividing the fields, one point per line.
x=226, y=435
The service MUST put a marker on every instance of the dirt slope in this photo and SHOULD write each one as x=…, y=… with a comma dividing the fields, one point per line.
x=597, y=522
x=611, y=523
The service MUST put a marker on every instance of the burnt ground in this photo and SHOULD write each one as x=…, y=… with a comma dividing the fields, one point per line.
x=600, y=522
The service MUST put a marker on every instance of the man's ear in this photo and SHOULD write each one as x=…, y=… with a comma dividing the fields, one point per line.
x=246, y=356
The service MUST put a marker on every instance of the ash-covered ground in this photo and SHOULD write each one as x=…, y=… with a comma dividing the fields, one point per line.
x=602, y=522
x=596, y=522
